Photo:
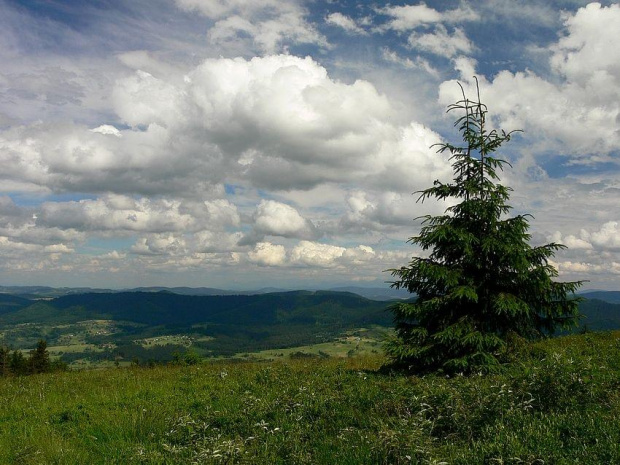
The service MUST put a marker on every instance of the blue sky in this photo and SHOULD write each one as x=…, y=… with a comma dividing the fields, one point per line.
x=240, y=144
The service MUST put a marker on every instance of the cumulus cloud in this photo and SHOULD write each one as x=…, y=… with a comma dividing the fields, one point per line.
x=143, y=99
x=271, y=24
x=278, y=219
x=115, y=213
x=18, y=255
x=576, y=109
x=278, y=122
x=573, y=242
x=159, y=244
x=157, y=175
x=211, y=242
x=361, y=258
x=316, y=254
x=379, y=212
x=582, y=269
x=608, y=237
x=122, y=213
x=584, y=54
x=268, y=254
x=108, y=130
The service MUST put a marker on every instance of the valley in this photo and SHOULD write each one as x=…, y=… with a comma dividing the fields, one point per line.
x=103, y=329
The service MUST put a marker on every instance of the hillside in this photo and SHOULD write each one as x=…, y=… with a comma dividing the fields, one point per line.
x=11, y=303
x=558, y=403
x=599, y=315
x=606, y=296
x=34, y=292
x=153, y=325
x=103, y=327
x=164, y=308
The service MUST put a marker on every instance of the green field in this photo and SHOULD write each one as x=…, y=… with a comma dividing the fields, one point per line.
x=558, y=402
x=352, y=343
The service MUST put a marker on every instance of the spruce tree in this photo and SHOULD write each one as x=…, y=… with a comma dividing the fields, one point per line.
x=39, y=360
x=481, y=282
x=18, y=364
x=5, y=358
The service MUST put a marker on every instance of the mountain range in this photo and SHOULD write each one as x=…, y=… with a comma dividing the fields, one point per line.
x=33, y=292
x=116, y=322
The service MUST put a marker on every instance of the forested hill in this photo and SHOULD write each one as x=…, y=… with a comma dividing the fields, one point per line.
x=164, y=308
x=342, y=309
x=612, y=297
x=100, y=327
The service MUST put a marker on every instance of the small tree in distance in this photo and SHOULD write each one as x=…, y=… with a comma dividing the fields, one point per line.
x=482, y=281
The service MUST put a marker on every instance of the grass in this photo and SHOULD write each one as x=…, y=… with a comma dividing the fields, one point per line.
x=354, y=343
x=558, y=403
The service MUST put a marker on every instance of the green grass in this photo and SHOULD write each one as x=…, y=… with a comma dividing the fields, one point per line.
x=558, y=403
x=353, y=343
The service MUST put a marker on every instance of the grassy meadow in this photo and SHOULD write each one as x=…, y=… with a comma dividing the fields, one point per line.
x=557, y=403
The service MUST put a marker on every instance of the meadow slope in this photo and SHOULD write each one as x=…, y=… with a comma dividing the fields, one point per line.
x=558, y=402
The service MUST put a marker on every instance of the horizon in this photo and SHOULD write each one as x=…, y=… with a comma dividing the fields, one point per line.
x=336, y=288
x=234, y=145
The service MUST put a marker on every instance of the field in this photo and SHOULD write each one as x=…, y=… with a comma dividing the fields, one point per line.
x=558, y=402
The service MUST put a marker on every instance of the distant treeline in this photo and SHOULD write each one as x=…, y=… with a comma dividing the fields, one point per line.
x=38, y=361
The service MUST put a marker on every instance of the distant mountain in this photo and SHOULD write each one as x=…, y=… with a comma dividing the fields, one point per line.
x=375, y=293
x=34, y=292
x=599, y=315
x=167, y=308
x=219, y=324
x=203, y=290
x=11, y=303
x=231, y=323
x=606, y=296
x=172, y=307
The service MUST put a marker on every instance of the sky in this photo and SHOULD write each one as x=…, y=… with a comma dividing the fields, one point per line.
x=279, y=143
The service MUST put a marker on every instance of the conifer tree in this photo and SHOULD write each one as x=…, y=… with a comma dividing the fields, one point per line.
x=481, y=281
x=39, y=360
x=5, y=358
x=18, y=364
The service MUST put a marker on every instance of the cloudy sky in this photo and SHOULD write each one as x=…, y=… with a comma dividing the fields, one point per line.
x=242, y=144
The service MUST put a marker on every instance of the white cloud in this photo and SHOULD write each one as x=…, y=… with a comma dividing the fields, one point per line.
x=586, y=55
x=116, y=213
x=344, y=22
x=441, y=42
x=575, y=110
x=608, y=237
x=278, y=219
x=408, y=17
x=271, y=24
x=159, y=244
x=278, y=122
x=14, y=249
x=379, y=212
x=406, y=62
x=107, y=130
x=359, y=255
x=573, y=242
x=267, y=254
x=316, y=254
x=211, y=242
x=143, y=99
